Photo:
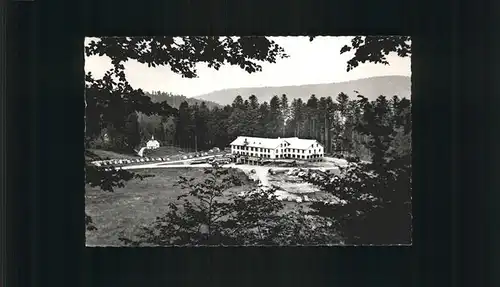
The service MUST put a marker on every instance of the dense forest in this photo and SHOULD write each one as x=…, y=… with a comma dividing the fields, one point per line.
x=380, y=129
x=198, y=125
x=176, y=100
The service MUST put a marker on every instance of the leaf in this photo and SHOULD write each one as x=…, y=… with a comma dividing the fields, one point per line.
x=374, y=49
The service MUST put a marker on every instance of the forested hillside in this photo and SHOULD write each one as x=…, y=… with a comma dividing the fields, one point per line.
x=377, y=194
x=369, y=87
x=333, y=122
x=176, y=100
x=336, y=124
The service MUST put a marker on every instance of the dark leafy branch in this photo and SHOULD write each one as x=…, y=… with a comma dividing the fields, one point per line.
x=108, y=178
x=111, y=100
x=212, y=216
x=183, y=53
x=377, y=194
x=374, y=49
x=214, y=219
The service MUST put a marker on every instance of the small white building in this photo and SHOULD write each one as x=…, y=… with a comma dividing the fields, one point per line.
x=278, y=148
x=152, y=143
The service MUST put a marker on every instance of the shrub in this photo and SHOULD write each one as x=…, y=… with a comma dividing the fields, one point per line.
x=213, y=216
x=378, y=204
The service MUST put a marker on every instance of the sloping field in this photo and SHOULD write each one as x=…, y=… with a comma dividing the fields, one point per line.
x=174, y=153
x=105, y=154
x=164, y=151
x=138, y=203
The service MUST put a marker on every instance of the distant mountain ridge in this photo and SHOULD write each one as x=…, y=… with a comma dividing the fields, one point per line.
x=176, y=100
x=371, y=88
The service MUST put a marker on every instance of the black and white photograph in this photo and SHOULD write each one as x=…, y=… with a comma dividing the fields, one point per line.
x=248, y=141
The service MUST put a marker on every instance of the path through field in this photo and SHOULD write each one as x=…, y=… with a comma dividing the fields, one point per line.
x=139, y=202
x=261, y=172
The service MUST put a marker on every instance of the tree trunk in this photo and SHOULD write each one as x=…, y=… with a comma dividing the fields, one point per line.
x=195, y=143
x=311, y=130
x=316, y=128
x=326, y=131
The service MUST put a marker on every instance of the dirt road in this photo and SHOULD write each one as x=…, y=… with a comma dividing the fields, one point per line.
x=261, y=172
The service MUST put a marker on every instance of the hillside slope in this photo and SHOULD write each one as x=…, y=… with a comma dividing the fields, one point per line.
x=176, y=100
x=368, y=87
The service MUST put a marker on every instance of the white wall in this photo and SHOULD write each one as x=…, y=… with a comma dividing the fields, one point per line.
x=275, y=152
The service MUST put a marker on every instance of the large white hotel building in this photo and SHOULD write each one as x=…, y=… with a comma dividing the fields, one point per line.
x=278, y=148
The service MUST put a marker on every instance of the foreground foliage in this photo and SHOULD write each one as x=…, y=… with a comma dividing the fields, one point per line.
x=378, y=194
x=208, y=214
x=374, y=49
x=378, y=209
x=111, y=101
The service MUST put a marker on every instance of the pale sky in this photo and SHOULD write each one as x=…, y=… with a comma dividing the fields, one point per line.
x=313, y=62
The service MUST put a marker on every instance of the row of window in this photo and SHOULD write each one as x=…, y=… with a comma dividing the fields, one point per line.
x=279, y=155
x=287, y=150
x=252, y=149
x=287, y=144
x=266, y=150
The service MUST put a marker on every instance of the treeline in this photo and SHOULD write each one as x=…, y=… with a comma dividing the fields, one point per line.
x=123, y=130
x=338, y=125
x=176, y=100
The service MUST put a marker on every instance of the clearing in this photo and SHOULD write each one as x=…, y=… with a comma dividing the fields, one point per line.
x=174, y=153
x=106, y=154
x=138, y=203
x=125, y=211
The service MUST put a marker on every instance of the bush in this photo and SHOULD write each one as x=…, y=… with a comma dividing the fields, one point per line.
x=212, y=216
x=378, y=204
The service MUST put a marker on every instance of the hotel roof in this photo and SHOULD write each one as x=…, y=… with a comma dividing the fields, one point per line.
x=297, y=143
x=273, y=143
